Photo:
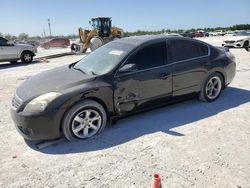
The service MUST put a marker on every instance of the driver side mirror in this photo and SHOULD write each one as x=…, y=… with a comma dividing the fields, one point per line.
x=128, y=68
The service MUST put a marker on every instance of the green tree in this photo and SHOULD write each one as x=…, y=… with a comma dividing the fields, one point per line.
x=8, y=36
x=23, y=36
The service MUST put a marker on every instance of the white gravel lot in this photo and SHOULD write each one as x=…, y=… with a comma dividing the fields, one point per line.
x=191, y=144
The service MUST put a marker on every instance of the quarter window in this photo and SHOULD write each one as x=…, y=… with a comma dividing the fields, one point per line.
x=182, y=50
x=151, y=56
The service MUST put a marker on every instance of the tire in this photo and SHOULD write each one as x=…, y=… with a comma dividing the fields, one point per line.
x=26, y=57
x=246, y=44
x=212, y=88
x=84, y=120
x=95, y=43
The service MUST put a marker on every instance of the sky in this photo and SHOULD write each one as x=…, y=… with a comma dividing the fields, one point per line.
x=30, y=16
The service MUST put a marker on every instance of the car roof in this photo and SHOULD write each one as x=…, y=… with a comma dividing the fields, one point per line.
x=130, y=43
x=139, y=40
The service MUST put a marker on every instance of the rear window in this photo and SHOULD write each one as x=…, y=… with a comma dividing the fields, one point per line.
x=183, y=50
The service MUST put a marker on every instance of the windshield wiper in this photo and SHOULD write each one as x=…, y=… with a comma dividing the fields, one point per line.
x=79, y=69
x=84, y=72
x=93, y=73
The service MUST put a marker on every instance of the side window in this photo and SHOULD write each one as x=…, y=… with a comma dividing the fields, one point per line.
x=3, y=42
x=151, y=56
x=203, y=49
x=182, y=50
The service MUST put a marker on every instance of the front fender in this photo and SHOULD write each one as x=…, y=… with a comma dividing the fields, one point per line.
x=20, y=53
x=100, y=92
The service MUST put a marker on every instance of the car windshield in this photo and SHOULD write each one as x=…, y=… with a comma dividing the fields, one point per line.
x=104, y=59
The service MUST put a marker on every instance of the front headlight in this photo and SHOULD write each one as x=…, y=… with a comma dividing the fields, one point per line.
x=40, y=103
x=239, y=41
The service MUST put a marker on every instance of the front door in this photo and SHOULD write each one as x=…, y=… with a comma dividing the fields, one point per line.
x=7, y=51
x=146, y=86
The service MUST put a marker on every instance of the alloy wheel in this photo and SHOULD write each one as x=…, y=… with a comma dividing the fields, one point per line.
x=27, y=57
x=86, y=123
x=213, y=87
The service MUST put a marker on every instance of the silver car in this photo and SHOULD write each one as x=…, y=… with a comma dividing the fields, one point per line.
x=14, y=52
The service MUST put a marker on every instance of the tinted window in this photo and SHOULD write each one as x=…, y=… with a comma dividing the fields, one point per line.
x=151, y=56
x=182, y=50
x=203, y=50
x=3, y=42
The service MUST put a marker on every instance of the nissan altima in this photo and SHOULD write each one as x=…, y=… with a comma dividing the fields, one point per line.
x=123, y=77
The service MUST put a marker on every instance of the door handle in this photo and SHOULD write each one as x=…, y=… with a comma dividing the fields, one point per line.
x=164, y=76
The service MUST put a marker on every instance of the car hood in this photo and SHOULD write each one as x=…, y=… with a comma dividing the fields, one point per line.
x=236, y=38
x=54, y=80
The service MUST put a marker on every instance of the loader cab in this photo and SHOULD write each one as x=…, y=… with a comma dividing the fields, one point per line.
x=103, y=25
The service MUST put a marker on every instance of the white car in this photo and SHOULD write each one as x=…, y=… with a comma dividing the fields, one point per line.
x=240, y=40
x=217, y=33
x=12, y=52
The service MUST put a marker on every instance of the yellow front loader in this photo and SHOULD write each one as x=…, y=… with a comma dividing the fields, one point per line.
x=102, y=33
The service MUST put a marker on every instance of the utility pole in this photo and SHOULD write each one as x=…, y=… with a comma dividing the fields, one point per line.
x=44, y=34
x=49, y=27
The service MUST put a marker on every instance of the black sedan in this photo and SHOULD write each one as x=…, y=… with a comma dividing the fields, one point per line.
x=120, y=78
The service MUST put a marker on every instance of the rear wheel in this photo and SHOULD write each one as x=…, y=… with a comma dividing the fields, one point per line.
x=212, y=88
x=26, y=57
x=84, y=120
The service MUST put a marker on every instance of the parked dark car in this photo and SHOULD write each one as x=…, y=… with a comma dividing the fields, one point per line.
x=188, y=34
x=120, y=78
x=199, y=34
x=56, y=42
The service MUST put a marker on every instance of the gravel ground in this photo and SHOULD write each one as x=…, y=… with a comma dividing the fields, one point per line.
x=191, y=144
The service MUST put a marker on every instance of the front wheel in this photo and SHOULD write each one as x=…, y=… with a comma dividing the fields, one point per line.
x=26, y=57
x=246, y=44
x=84, y=120
x=212, y=88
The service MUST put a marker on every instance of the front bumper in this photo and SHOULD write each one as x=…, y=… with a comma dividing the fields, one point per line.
x=234, y=44
x=40, y=126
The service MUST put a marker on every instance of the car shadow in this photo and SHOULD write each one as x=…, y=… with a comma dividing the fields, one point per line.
x=160, y=120
x=8, y=65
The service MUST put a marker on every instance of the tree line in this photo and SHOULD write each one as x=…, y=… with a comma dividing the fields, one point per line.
x=207, y=29
x=24, y=36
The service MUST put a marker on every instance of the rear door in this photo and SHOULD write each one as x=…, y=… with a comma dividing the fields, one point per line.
x=190, y=61
x=146, y=86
